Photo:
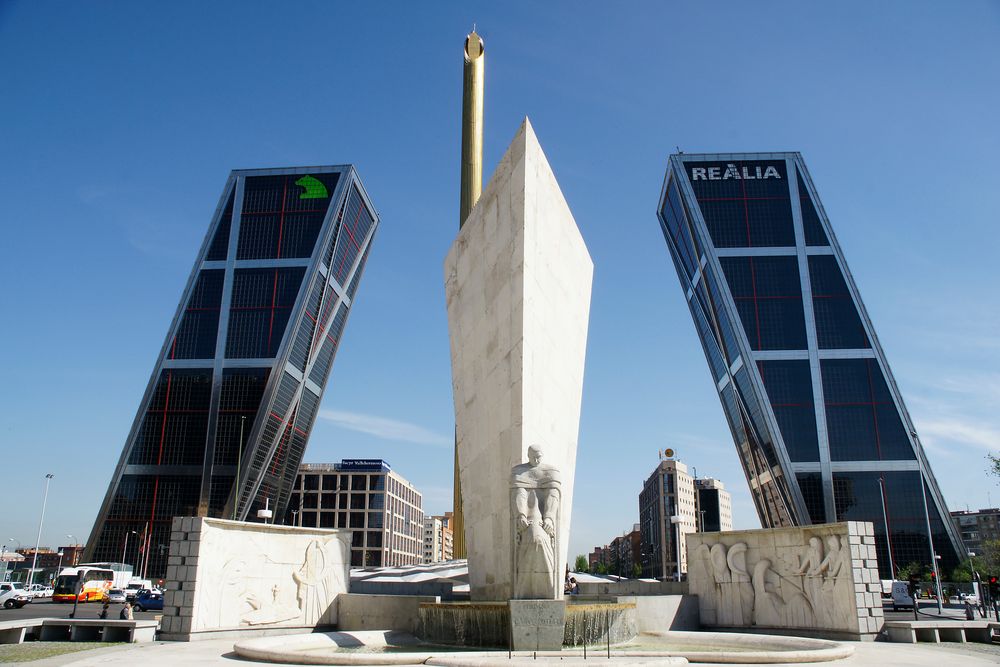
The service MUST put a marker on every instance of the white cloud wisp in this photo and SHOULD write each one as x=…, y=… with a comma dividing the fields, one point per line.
x=387, y=429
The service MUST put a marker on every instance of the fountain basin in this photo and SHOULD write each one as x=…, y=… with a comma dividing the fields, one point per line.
x=655, y=648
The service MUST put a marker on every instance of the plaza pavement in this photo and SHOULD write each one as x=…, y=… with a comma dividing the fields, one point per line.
x=219, y=652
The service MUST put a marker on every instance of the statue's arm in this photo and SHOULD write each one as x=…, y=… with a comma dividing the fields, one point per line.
x=521, y=506
x=550, y=509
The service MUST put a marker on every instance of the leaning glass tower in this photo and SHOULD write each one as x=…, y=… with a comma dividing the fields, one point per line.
x=819, y=424
x=224, y=421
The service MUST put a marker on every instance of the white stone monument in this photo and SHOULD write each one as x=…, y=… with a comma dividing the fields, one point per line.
x=821, y=578
x=230, y=578
x=535, y=496
x=517, y=280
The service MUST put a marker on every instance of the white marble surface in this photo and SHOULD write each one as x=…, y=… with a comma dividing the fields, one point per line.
x=811, y=577
x=230, y=575
x=517, y=281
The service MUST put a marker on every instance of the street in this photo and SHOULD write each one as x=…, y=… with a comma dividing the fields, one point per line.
x=45, y=608
x=928, y=611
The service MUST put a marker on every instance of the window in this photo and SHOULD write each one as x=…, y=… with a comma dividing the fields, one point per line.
x=838, y=325
x=768, y=296
x=262, y=300
x=199, y=326
x=789, y=389
x=358, y=482
x=811, y=225
x=277, y=221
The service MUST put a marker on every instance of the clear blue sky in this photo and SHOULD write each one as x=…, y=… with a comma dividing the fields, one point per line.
x=120, y=121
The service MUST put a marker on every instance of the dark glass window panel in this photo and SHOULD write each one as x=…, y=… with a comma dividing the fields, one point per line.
x=329, y=501
x=176, y=422
x=761, y=431
x=376, y=501
x=357, y=274
x=811, y=225
x=239, y=401
x=675, y=227
x=858, y=497
x=358, y=482
x=328, y=347
x=357, y=501
x=308, y=520
x=374, y=521
x=768, y=297
x=341, y=519
x=862, y=420
x=199, y=326
x=221, y=486
x=377, y=482
x=310, y=501
x=353, y=232
x=277, y=221
x=329, y=483
x=789, y=389
x=709, y=342
x=302, y=345
x=838, y=325
x=811, y=486
x=327, y=520
x=310, y=482
x=262, y=302
x=375, y=538
x=721, y=317
x=744, y=211
x=218, y=250
x=358, y=521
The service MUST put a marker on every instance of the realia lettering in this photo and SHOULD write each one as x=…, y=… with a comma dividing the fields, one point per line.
x=733, y=172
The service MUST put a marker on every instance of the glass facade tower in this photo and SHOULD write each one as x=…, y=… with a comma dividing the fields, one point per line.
x=224, y=421
x=818, y=421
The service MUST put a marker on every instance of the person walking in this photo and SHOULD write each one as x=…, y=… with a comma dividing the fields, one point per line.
x=126, y=612
x=104, y=609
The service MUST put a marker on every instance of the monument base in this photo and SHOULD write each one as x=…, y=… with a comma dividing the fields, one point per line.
x=537, y=625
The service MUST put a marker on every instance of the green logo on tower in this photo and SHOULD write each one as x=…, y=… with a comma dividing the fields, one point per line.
x=314, y=189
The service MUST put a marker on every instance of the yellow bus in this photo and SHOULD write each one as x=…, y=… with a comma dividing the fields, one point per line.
x=91, y=582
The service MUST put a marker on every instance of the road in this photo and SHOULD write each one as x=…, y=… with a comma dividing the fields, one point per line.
x=929, y=612
x=45, y=608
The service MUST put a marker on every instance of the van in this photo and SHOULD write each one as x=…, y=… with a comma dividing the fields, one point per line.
x=901, y=595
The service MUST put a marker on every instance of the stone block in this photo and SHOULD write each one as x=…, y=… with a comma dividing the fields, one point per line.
x=868, y=539
x=171, y=572
x=191, y=561
x=177, y=535
x=537, y=625
x=175, y=560
x=176, y=524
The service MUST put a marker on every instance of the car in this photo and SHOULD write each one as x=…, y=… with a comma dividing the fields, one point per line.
x=13, y=595
x=115, y=596
x=971, y=598
x=40, y=591
x=148, y=601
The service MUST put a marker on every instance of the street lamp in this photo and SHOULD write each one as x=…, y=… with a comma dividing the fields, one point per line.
x=59, y=567
x=676, y=520
x=885, y=523
x=927, y=517
x=38, y=539
x=127, y=533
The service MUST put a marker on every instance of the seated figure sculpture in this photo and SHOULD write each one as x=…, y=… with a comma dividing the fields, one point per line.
x=535, y=498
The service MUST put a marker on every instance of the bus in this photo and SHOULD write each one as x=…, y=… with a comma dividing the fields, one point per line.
x=96, y=582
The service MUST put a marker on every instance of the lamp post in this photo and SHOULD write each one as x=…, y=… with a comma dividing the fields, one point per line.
x=676, y=520
x=125, y=546
x=885, y=522
x=927, y=518
x=59, y=566
x=38, y=539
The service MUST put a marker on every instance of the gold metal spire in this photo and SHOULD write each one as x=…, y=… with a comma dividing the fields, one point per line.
x=471, y=188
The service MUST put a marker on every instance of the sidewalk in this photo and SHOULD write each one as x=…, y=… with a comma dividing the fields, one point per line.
x=220, y=652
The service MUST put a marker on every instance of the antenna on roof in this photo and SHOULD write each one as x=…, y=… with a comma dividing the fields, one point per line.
x=679, y=151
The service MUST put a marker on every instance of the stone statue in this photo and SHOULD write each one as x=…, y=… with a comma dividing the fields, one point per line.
x=536, y=495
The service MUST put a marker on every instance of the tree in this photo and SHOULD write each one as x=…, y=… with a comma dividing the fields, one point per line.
x=913, y=569
x=581, y=564
x=636, y=571
x=600, y=568
x=994, y=468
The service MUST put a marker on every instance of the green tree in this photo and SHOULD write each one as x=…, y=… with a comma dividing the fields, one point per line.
x=581, y=564
x=914, y=569
x=600, y=568
x=636, y=571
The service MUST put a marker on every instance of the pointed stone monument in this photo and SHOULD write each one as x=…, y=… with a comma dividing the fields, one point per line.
x=518, y=281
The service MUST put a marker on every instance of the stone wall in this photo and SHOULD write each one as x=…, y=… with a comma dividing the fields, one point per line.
x=821, y=578
x=229, y=577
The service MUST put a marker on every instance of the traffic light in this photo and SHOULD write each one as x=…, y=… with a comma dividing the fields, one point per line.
x=994, y=588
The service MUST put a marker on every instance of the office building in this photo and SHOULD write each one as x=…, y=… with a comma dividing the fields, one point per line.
x=382, y=509
x=819, y=424
x=713, y=505
x=234, y=393
x=667, y=513
x=978, y=527
x=438, y=538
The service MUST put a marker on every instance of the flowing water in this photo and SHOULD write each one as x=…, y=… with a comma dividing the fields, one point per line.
x=600, y=623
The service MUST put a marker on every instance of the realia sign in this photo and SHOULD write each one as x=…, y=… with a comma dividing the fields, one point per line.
x=733, y=172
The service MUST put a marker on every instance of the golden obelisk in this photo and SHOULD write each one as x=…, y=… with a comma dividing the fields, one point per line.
x=472, y=186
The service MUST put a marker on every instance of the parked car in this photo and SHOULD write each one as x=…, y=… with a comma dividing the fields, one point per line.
x=116, y=596
x=40, y=591
x=148, y=601
x=13, y=595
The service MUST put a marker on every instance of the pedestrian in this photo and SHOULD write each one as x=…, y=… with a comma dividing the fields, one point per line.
x=970, y=611
x=104, y=609
x=574, y=588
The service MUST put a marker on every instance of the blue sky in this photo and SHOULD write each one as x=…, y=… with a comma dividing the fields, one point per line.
x=120, y=122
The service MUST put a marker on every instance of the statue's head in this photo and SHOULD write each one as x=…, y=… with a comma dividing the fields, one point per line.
x=815, y=542
x=534, y=455
x=834, y=542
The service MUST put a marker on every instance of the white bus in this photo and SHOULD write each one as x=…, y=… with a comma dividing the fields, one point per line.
x=94, y=582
